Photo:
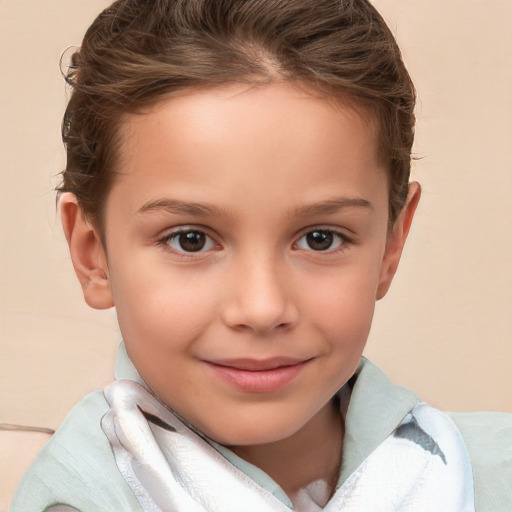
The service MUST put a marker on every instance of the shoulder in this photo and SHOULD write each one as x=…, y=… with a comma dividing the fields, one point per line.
x=488, y=437
x=76, y=467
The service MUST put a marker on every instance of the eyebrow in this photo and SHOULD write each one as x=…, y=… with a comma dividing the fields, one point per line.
x=178, y=207
x=332, y=206
x=329, y=206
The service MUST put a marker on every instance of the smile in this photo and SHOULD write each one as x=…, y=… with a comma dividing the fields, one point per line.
x=252, y=376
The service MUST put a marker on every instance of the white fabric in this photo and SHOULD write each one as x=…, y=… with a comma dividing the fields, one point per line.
x=423, y=466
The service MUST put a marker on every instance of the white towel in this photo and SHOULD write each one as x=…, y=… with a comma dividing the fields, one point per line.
x=423, y=466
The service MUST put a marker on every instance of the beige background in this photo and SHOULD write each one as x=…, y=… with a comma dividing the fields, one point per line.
x=444, y=330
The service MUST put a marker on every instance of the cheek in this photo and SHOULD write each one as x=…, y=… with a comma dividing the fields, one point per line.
x=345, y=320
x=342, y=307
x=161, y=316
x=160, y=305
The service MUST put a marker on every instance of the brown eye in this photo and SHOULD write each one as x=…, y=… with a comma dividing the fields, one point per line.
x=189, y=241
x=192, y=241
x=321, y=240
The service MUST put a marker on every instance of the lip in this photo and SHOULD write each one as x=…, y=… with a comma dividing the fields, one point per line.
x=258, y=376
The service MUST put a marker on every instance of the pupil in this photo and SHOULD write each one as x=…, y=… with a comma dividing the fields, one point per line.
x=193, y=241
x=319, y=240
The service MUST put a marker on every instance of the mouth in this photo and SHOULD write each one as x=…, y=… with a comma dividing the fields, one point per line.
x=258, y=376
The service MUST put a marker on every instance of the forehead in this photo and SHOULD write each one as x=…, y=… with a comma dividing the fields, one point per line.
x=250, y=140
x=235, y=106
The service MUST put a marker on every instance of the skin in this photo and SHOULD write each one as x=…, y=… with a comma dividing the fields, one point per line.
x=255, y=170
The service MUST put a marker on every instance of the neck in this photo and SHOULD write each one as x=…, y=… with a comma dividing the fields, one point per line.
x=312, y=454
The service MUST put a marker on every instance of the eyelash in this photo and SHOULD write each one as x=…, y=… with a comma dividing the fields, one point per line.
x=343, y=239
x=165, y=241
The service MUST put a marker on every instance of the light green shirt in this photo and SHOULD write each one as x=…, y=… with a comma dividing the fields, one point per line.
x=77, y=467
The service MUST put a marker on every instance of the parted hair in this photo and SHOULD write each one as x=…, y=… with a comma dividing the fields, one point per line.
x=139, y=52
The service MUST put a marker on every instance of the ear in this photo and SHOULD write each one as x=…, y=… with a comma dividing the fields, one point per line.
x=397, y=238
x=87, y=253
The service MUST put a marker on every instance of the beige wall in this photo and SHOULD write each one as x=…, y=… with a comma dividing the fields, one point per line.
x=444, y=330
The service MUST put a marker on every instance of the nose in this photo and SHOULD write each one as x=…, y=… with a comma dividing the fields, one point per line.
x=260, y=298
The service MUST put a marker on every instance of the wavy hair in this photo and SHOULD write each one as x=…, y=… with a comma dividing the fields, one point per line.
x=138, y=52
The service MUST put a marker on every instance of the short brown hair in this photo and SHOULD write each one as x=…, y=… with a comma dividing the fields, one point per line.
x=138, y=52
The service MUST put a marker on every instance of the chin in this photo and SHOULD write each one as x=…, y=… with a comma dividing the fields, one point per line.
x=253, y=433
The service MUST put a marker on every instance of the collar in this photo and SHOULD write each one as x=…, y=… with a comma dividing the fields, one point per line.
x=375, y=409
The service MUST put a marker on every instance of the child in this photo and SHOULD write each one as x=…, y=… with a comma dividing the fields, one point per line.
x=237, y=186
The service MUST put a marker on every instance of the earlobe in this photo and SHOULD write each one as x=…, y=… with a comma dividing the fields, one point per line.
x=87, y=253
x=396, y=240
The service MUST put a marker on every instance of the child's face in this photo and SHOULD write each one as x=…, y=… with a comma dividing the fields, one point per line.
x=247, y=243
